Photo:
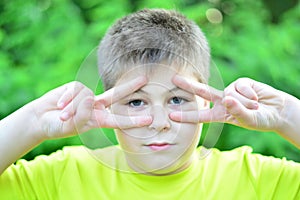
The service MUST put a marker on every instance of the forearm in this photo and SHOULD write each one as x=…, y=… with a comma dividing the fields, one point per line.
x=290, y=119
x=18, y=135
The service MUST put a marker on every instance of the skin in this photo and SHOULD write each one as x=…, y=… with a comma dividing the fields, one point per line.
x=65, y=111
x=72, y=109
x=158, y=98
x=245, y=103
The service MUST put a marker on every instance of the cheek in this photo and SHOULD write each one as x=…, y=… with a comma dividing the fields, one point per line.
x=118, y=109
x=187, y=133
x=190, y=130
x=127, y=141
x=189, y=106
x=126, y=110
x=133, y=137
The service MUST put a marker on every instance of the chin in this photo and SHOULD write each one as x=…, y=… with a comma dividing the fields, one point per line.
x=157, y=165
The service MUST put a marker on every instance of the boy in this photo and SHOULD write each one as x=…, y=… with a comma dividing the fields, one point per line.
x=154, y=66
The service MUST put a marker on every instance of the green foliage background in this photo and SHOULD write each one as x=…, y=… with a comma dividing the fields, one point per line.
x=44, y=42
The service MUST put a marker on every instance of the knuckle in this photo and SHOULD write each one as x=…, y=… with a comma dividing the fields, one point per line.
x=87, y=91
x=76, y=85
x=229, y=92
x=242, y=87
x=243, y=79
x=100, y=102
x=199, y=90
x=103, y=101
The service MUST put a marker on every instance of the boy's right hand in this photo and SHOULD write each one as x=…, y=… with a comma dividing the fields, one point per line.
x=73, y=108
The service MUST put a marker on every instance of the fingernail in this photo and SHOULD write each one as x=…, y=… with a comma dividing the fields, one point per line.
x=141, y=79
x=144, y=120
x=175, y=116
x=176, y=77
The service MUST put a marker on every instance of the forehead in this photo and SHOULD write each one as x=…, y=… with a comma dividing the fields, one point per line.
x=158, y=74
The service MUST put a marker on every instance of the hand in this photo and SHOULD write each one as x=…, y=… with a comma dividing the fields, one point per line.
x=245, y=102
x=73, y=108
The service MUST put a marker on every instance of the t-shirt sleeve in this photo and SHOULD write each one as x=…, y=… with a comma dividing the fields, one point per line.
x=274, y=178
x=36, y=179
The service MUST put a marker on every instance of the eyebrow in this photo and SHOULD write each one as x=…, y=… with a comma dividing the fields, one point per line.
x=175, y=89
x=170, y=90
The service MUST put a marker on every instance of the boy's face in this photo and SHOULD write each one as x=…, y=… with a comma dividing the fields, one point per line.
x=166, y=146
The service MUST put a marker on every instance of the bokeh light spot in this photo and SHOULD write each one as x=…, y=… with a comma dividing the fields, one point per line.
x=214, y=16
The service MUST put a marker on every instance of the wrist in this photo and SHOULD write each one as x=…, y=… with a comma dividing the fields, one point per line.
x=289, y=119
x=18, y=135
x=29, y=120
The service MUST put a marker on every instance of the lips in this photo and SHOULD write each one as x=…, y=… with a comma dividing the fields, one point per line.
x=159, y=146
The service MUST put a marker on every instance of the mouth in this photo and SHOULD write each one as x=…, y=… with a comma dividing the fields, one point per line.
x=159, y=146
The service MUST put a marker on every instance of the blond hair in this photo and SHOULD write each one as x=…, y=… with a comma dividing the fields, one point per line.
x=153, y=36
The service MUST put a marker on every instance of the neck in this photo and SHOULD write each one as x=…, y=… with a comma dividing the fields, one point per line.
x=174, y=168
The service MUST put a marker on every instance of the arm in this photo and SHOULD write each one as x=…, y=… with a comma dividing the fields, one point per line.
x=290, y=119
x=17, y=136
x=65, y=111
x=246, y=103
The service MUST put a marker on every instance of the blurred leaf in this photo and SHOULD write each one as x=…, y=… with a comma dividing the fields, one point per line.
x=43, y=44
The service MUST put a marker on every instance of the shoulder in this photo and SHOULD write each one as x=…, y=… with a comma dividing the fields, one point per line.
x=242, y=154
x=229, y=155
x=86, y=156
x=68, y=156
x=57, y=160
x=242, y=168
x=258, y=167
x=65, y=154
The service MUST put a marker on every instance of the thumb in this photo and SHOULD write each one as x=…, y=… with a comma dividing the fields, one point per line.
x=84, y=111
x=240, y=114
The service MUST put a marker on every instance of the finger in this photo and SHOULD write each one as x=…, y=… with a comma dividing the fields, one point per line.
x=202, y=116
x=121, y=91
x=72, y=107
x=71, y=90
x=80, y=121
x=108, y=120
x=244, y=86
x=230, y=91
x=84, y=112
x=200, y=89
x=238, y=111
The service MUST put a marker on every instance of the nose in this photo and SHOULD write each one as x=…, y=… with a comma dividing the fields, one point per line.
x=161, y=121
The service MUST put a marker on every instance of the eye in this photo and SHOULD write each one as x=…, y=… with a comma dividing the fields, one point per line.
x=177, y=101
x=136, y=103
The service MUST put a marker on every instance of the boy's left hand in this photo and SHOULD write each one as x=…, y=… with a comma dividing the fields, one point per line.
x=245, y=102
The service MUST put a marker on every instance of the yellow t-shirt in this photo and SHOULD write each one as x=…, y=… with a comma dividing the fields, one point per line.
x=74, y=173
